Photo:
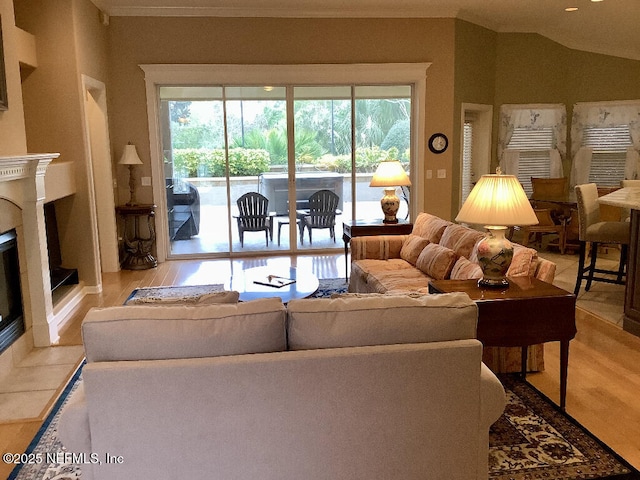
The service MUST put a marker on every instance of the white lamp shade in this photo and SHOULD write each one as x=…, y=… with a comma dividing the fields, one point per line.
x=497, y=200
x=130, y=156
x=390, y=174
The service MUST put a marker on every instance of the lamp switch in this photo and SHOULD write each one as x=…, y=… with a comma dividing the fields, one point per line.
x=429, y=174
x=145, y=181
x=442, y=173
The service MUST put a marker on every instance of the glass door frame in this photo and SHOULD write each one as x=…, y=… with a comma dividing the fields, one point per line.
x=414, y=74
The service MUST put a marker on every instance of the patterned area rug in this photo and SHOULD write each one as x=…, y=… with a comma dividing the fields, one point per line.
x=192, y=294
x=534, y=439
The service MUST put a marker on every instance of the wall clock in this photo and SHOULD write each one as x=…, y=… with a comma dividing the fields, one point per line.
x=438, y=142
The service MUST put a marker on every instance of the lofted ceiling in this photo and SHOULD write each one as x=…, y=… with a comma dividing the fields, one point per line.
x=610, y=27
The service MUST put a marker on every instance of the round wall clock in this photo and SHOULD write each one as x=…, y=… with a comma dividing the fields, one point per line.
x=438, y=142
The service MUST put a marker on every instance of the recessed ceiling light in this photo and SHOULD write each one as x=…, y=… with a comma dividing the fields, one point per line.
x=571, y=9
x=596, y=0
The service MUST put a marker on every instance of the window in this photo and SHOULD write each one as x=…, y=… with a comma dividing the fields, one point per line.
x=467, y=156
x=609, y=153
x=534, y=147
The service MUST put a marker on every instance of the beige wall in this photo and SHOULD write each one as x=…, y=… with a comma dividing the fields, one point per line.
x=475, y=82
x=12, y=134
x=136, y=40
x=73, y=45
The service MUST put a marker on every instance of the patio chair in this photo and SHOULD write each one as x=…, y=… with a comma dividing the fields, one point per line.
x=253, y=215
x=323, y=205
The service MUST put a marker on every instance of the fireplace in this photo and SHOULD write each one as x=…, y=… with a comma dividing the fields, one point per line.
x=11, y=315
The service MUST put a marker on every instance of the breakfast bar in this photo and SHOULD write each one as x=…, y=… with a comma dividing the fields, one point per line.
x=629, y=197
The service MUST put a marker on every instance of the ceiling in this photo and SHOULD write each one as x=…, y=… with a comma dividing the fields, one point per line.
x=610, y=27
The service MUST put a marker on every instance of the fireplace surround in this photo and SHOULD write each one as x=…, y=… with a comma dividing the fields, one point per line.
x=22, y=184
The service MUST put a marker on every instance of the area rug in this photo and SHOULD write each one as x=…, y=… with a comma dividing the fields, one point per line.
x=192, y=294
x=534, y=439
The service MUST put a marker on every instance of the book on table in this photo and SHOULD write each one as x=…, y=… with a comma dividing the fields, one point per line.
x=274, y=281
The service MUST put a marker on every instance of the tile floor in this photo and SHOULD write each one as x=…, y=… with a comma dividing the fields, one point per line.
x=28, y=391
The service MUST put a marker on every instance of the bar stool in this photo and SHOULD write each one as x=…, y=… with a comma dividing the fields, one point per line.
x=593, y=230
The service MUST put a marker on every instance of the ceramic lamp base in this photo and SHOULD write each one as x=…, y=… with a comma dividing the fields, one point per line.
x=390, y=204
x=495, y=253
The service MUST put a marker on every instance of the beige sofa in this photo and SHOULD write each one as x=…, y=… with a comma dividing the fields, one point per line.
x=439, y=249
x=346, y=388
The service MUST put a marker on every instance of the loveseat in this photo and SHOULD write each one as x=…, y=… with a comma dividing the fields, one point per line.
x=380, y=386
x=439, y=249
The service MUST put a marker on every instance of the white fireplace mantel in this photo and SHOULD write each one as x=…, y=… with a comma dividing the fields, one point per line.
x=22, y=183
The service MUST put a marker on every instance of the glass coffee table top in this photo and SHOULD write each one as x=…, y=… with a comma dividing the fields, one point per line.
x=244, y=282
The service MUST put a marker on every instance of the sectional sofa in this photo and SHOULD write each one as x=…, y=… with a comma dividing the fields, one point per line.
x=439, y=249
x=382, y=386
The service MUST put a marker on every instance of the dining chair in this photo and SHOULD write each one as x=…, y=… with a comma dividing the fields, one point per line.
x=546, y=225
x=253, y=215
x=592, y=229
x=549, y=188
x=323, y=205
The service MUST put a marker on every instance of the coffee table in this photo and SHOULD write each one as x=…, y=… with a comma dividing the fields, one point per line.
x=305, y=284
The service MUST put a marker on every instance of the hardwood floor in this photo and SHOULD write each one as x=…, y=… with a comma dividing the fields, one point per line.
x=604, y=361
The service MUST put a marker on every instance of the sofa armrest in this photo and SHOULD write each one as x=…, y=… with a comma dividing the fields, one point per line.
x=545, y=270
x=73, y=427
x=377, y=247
x=493, y=397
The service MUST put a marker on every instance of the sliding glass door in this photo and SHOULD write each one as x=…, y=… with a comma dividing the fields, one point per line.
x=275, y=167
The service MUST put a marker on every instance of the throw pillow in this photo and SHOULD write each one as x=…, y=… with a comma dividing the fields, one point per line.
x=523, y=263
x=465, y=270
x=412, y=247
x=430, y=227
x=436, y=261
x=460, y=239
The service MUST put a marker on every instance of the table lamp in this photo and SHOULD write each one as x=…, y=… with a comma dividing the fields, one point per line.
x=390, y=175
x=497, y=202
x=130, y=158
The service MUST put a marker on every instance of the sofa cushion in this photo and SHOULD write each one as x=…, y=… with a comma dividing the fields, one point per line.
x=436, y=261
x=460, y=239
x=387, y=319
x=412, y=248
x=178, y=331
x=382, y=281
x=465, y=270
x=430, y=227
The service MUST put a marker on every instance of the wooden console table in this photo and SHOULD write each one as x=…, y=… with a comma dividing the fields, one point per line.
x=529, y=312
x=363, y=228
x=138, y=248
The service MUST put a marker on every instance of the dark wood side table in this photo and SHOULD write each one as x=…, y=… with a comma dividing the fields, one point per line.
x=530, y=311
x=138, y=248
x=363, y=228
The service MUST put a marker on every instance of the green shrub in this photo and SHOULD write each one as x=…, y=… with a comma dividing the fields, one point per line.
x=202, y=162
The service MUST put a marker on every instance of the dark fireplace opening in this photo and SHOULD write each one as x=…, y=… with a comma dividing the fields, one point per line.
x=60, y=275
x=11, y=315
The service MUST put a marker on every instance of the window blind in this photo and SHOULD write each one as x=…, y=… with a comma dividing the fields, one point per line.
x=467, y=159
x=534, y=147
x=609, y=146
